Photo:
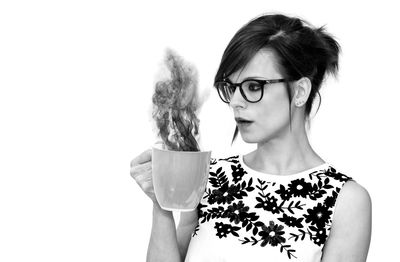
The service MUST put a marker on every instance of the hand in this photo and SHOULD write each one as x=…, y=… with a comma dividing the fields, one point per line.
x=141, y=171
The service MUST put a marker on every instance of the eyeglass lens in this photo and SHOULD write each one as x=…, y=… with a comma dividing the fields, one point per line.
x=251, y=89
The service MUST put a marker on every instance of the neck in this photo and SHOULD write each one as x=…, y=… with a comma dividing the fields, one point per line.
x=289, y=153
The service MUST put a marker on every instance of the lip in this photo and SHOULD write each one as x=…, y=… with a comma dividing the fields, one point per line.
x=240, y=119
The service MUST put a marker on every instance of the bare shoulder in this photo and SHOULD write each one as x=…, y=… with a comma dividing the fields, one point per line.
x=353, y=206
x=353, y=197
x=350, y=233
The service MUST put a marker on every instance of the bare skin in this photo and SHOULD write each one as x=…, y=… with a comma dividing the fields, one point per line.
x=280, y=151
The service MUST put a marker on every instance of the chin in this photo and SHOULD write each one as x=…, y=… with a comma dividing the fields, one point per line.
x=254, y=138
x=251, y=139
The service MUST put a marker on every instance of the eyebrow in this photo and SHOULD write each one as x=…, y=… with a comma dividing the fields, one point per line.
x=249, y=78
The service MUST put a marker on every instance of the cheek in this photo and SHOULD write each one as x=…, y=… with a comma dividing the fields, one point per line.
x=274, y=108
x=274, y=113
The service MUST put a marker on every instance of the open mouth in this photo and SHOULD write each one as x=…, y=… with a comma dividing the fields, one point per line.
x=243, y=122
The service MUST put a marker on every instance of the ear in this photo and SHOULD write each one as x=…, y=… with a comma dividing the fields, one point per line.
x=302, y=91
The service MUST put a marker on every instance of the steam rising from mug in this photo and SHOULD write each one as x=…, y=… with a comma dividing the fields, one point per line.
x=175, y=102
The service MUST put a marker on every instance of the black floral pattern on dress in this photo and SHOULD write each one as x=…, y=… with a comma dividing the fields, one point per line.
x=225, y=192
x=285, y=194
x=291, y=221
x=265, y=200
x=213, y=161
x=336, y=175
x=236, y=212
x=319, y=189
x=268, y=203
x=232, y=159
x=319, y=215
x=320, y=236
x=330, y=200
x=272, y=234
x=226, y=195
x=299, y=187
x=237, y=173
x=223, y=230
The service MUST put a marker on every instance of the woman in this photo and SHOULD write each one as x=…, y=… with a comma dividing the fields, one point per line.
x=281, y=202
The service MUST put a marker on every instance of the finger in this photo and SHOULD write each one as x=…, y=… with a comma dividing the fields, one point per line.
x=141, y=167
x=147, y=187
x=142, y=158
x=144, y=177
x=138, y=170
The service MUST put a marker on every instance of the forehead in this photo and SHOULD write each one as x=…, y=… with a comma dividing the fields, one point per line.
x=264, y=64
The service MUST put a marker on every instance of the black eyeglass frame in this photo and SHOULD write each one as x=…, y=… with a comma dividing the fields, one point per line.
x=262, y=82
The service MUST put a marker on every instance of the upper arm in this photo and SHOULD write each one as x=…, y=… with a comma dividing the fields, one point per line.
x=350, y=233
x=186, y=226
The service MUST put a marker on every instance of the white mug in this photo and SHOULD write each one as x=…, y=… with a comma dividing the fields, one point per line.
x=179, y=177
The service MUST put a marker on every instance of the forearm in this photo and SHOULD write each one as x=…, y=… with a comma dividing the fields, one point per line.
x=183, y=242
x=163, y=244
x=185, y=230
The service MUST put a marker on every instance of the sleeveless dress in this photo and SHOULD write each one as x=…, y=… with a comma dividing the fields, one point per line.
x=246, y=215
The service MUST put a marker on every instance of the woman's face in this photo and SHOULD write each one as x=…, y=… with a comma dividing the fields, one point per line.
x=270, y=116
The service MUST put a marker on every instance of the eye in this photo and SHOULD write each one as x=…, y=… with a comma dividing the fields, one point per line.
x=253, y=86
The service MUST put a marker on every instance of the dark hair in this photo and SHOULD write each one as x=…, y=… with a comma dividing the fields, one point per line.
x=301, y=49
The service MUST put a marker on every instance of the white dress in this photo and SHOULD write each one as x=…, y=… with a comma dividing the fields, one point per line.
x=246, y=215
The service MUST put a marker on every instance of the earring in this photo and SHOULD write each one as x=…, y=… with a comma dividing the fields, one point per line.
x=299, y=103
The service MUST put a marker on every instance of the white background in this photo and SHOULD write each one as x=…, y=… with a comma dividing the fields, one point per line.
x=76, y=79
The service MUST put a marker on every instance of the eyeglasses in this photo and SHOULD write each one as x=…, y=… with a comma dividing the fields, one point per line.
x=252, y=90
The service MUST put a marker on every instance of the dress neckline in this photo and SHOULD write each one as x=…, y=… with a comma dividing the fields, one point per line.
x=323, y=166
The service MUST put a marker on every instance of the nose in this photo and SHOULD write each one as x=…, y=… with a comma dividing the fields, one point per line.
x=237, y=99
